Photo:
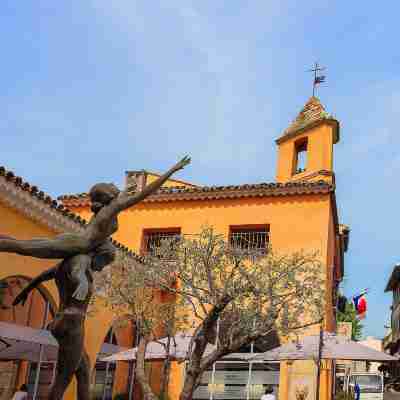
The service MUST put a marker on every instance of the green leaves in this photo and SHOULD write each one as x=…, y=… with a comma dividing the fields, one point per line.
x=203, y=285
x=350, y=315
x=269, y=292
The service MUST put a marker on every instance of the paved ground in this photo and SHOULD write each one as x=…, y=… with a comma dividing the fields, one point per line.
x=392, y=396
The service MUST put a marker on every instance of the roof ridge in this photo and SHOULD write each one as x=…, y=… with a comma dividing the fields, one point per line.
x=35, y=192
x=242, y=190
x=212, y=187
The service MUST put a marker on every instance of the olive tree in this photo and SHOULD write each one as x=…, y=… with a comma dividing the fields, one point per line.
x=248, y=294
x=124, y=289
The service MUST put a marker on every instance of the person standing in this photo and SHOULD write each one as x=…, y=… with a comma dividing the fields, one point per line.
x=269, y=394
x=21, y=394
x=357, y=391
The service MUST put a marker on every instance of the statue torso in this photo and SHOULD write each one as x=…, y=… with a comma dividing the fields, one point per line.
x=101, y=227
x=66, y=286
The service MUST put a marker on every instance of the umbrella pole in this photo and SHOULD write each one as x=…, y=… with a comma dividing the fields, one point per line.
x=105, y=381
x=132, y=380
x=107, y=370
x=53, y=374
x=250, y=367
x=249, y=381
x=320, y=344
x=213, y=367
x=133, y=365
x=37, y=376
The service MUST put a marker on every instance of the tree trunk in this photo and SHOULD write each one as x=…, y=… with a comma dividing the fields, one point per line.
x=202, y=336
x=140, y=371
x=189, y=385
x=165, y=372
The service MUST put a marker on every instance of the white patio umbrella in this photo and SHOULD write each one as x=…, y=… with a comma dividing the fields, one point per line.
x=24, y=343
x=19, y=342
x=179, y=347
x=334, y=347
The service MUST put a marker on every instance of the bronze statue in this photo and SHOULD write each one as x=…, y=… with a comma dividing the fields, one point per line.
x=73, y=277
x=81, y=254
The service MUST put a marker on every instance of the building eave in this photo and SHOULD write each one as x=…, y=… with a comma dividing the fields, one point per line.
x=261, y=190
x=296, y=132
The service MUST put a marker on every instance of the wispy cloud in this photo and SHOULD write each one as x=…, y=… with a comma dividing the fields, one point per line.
x=90, y=89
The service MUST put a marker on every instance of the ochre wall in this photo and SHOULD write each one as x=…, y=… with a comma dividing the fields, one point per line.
x=17, y=225
x=14, y=224
x=296, y=223
x=319, y=152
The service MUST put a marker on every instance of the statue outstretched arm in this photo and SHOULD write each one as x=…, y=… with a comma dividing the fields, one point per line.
x=61, y=246
x=96, y=232
x=97, y=227
x=34, y=283
x=126, y=200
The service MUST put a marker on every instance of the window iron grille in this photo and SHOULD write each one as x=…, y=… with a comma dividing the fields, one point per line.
x=154, y=241
x=252, y=241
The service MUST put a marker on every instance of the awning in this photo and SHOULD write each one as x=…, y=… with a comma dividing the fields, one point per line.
x=18, y=342
x=179, y=347
x=107, y=349
x=334, y=347
x=23, y=343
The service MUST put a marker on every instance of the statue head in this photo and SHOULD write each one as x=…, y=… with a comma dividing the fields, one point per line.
x=101, y=195
x=103, y=255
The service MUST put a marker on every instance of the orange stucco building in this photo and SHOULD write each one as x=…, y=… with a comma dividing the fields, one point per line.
x=297, y=211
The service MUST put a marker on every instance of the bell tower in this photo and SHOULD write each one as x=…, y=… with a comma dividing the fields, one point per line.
x=305, y=149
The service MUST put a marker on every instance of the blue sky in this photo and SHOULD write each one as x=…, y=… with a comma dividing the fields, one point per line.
x=93, y=88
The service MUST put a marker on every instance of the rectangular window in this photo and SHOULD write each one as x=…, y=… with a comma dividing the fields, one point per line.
x=300, y=164
x=236, y=380
x=251, y=238
x=153, y=239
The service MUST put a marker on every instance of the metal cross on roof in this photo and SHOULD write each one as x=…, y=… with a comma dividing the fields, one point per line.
x=317, y=77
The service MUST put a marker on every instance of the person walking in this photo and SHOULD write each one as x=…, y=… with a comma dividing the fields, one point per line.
x=269, y=394
x=21, y=394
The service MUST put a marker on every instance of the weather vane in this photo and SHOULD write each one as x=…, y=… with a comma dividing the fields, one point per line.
x=317, y=77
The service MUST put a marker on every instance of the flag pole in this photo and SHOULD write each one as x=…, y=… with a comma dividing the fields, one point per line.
x=365, y=291
x=41, y=351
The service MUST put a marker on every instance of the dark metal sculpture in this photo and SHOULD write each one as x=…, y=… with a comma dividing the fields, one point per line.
x=82, y=254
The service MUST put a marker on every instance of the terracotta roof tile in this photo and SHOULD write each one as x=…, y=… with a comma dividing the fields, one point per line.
x=312, y=113
x=54, y=204
x=180, y=193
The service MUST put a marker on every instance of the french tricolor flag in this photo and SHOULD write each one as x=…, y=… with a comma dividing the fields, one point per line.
x=360, y=304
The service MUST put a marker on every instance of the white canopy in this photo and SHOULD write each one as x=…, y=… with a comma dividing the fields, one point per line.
x=23, y=343
x=334, y=348
x=179, y=347
x=19, y=342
